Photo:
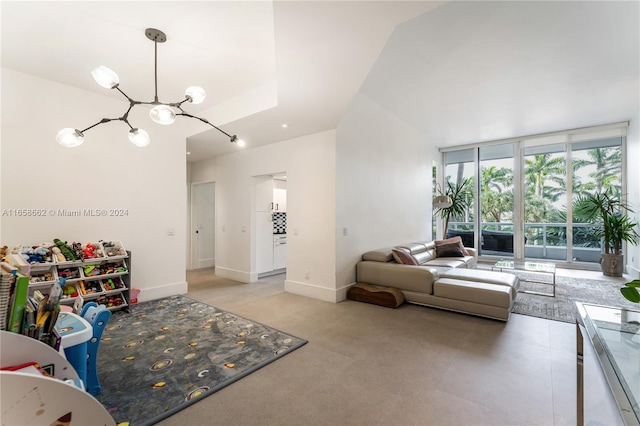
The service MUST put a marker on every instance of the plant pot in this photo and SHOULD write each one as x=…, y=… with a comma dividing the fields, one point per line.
x=612, y=264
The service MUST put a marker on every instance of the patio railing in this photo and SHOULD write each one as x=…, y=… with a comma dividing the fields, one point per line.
x=542, y=240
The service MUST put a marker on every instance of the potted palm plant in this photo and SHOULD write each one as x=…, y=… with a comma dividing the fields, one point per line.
x=457, y=202
x=607, y=212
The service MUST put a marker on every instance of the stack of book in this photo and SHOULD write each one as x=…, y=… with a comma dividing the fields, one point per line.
x=34, y=316
x=7, y=280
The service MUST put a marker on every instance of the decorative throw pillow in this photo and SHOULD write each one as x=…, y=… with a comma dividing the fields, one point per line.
x=403, y=256
x=449, y=250
x=453, y=240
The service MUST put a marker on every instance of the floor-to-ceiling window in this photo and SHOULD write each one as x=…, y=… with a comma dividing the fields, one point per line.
x=521, y=205
x=597, y=167
x=545, y=202
x=496, y=199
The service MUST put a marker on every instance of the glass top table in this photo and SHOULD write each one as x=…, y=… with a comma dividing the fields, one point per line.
x=615, y=335
x=535, y=270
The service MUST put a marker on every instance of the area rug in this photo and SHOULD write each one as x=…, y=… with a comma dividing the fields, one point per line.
x=169, y=353
x=568, y=291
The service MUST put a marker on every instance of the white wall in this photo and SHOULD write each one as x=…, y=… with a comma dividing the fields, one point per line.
x=371, y=176
x=106, y=172
x=632, y=257
x=310, y=166
x=383, y=184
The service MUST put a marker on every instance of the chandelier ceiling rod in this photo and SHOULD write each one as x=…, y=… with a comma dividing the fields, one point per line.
x=162, y=113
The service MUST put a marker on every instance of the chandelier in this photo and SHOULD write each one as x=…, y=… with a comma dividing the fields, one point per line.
x=162, y=112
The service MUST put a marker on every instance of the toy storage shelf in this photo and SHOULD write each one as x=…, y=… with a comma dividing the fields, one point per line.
x=111, y=289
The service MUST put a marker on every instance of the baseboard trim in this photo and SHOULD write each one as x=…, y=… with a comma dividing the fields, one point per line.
x=317, y=292
x=233, y=274
x=153, y=293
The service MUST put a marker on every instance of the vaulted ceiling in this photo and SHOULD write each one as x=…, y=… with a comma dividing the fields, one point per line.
x=459, y=72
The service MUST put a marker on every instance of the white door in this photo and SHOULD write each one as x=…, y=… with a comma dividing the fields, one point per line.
x=203, y=226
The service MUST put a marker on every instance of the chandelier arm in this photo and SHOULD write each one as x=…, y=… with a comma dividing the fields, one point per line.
x=179, y=104
x=104, y=120
x=131, y=101
x=125, y=116
x=204, y=120
x=127, y=122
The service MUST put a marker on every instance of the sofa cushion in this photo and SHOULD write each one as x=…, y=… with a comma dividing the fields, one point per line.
x=484, y=276
x=474, y=292
x=402, y=255
x=380, y=255
x=447, y=262
x=449, y=250
x=419, y=252
x=451, y=241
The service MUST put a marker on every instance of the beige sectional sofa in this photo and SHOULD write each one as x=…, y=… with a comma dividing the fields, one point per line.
x=444, y=282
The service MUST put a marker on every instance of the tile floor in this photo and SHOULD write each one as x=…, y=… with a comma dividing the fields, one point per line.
x=370, y=365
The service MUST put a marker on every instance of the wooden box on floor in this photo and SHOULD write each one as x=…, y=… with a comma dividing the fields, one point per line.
x=383, y=296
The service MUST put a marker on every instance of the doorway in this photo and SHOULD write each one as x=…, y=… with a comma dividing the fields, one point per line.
x=203, y=238
x=271, y=224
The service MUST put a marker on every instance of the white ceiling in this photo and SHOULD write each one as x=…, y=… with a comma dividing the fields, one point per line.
x=463, y=72
x=469, y=72
x=315, y=54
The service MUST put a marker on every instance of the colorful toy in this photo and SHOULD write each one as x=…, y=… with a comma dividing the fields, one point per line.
x=77, y=249
x=65, y=249
x=70, y=290
x=90, y=251
x=93, y=287
x=36, y=254
x=69, y=274
x=113, y=248
x=46, y=276
x=92, y=271
x=58, y=254
x=109, y=285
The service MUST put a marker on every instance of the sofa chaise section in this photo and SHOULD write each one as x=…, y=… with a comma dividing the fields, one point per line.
x=446, y=283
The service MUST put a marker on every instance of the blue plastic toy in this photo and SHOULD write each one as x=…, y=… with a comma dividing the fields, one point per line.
x=97, y=316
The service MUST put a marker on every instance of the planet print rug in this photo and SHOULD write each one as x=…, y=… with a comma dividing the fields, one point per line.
x=169, y=353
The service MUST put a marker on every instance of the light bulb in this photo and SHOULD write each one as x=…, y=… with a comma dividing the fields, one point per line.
x=105, y=77
x=195, y=94
x=139, y=137
x=69, y=137
x=240, y=142
x=162, y=114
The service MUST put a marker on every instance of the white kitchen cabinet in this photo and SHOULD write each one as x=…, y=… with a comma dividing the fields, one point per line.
x=279, y=195
x=271, y=196
x=264, y=195
x=279, y=252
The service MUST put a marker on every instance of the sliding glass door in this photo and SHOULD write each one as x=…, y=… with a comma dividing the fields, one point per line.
x=597, y=167
x=545, y=202
x=496, y=200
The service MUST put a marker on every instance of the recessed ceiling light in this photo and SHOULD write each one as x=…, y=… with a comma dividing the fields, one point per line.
x=285, y=125
x=188, y=153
